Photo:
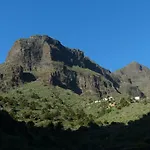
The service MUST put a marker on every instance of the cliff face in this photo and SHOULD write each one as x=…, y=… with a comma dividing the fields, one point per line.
x=42, y=50
x=58, y=65
x=30, y=53
x=81, y=82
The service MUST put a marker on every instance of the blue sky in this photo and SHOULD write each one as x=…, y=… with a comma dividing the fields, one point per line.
x=113, y=33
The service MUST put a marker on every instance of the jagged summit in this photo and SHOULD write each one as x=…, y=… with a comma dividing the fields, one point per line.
x=45, y=38
x=32, y=52
x=38, y=51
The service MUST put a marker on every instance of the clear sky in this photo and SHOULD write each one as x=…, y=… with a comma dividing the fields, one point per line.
x=113, y=33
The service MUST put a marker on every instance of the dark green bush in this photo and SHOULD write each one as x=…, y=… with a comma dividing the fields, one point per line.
x=19, y=92
x=35, y=96
x=32, y=105
x=24, y=103
x=1, y=98
x=123, y=102
x=26, y=114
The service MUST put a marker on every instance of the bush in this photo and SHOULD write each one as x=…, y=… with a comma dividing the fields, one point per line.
x=145, y=102
x=124, y=102
x=47, y=116
x=44, y=100
x=49, y=106
x=1, y=98
x=26, y=114
x=32, y=105
x=13, y=113
x=19, y=92
x=35, y=96
x=102, y=112
x=24, y=103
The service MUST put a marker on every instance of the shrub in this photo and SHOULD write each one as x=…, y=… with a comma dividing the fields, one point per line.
x=1, y=98
x=106, y=122
x=145, y=102
x=44, y=100
x=35, y=96
x=19, y=92
x=32, y=105
x=48, y=106
x=101, y=112
x=124, y=102
x=13, y=113
x=47, y=116
x=26, y=114
x=24, y=103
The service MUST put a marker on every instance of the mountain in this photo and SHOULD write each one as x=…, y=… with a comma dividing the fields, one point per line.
x=51, y=97
x=137, y=74
x=42, y=58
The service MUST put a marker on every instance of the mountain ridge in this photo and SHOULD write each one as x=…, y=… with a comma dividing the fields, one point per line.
x=138, y=74
x=60, y=66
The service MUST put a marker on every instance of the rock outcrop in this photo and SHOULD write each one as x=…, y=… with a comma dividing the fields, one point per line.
x=42, y=50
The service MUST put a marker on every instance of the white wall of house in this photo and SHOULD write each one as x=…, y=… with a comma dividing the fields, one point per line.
x=137, y=98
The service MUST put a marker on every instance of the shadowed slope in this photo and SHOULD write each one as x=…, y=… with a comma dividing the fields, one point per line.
x=18, y=135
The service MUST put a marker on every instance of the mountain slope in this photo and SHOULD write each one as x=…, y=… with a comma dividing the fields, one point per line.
x=55, y=64
x=45, y=59
x=137, y=75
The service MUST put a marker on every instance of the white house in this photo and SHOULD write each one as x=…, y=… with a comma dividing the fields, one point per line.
x=105, y=99
x=112, y=104
x=111, y=98
x=97, y=101
x=137, y=98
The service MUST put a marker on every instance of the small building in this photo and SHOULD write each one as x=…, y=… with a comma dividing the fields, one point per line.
x=96, y=101
x=137, y=98
x=111, y=98
x=112, y=104
x=105, y=99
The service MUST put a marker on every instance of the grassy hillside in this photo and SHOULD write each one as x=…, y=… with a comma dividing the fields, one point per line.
x=45, y=104
x=118, y=136
x=132, y=112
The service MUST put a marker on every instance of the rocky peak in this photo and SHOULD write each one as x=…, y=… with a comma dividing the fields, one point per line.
x=44, y=38
x=134, y=65
x=135, y=74
x=40, y=51
x=134, y=71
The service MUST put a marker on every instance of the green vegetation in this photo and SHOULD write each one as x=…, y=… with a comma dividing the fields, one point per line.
x=48, y=104
x=50, y=135
x=43, y=104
